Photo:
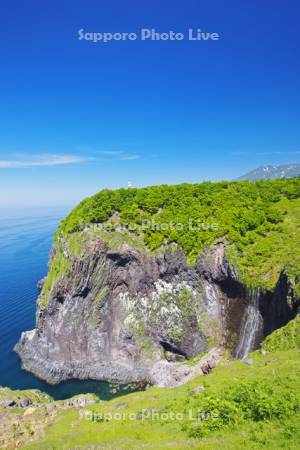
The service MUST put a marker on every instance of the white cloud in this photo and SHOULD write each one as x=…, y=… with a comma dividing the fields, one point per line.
x=265, y=153
x=129, y=157
x=42, y=160
x=108, y=152
x=116, y=155
x=48, y=160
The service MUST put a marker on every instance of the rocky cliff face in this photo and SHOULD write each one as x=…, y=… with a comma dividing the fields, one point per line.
x=126, y=316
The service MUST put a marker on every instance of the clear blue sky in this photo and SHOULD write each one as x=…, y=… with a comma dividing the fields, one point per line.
x=76, y=116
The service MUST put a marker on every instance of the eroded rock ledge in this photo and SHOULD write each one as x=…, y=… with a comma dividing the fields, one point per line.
x=124, y=316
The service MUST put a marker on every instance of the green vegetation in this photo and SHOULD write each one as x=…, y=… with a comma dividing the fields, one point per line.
x=16, y=396
x=59, y=264
x=185, y=301
x=76, y=243
x=285, y=338
x=237, y=406
x=260, y=222
x=115, y=239
x=265, y=254
x=145, y=342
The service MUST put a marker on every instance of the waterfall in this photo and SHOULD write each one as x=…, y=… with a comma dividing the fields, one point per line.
x=251, y=325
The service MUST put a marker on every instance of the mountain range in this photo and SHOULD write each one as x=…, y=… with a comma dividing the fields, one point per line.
x=270, y=172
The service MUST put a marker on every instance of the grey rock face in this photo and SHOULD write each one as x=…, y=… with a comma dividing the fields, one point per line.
x=124, y=316
x=280, y=307
x=41, y=283
x=80, y=401
x=25, y=402
x=114, y=314
x=214, y=266
x=7, y=403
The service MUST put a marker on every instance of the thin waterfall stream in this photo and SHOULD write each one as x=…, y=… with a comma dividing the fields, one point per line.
x=251, y=324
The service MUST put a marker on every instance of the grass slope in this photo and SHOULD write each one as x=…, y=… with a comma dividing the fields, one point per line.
x=242, y=406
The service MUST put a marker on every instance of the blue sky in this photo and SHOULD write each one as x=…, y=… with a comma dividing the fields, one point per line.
x=77, y=116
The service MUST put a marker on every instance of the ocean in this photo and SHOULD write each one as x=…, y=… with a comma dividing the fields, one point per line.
x=25, y=242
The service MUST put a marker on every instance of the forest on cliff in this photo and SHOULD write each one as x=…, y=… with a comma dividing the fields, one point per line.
x=259, y=222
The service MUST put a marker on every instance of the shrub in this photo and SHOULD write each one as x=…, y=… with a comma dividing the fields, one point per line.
x=261, y=400
x=210, y=414
x=285, y=338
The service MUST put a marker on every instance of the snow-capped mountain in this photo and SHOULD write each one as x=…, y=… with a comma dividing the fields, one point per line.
x=269, y=172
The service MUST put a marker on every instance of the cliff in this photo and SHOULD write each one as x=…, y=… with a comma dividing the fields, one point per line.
x=127, y=315
x=142, y=280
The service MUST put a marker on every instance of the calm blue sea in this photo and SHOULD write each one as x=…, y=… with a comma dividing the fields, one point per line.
x=25, y=242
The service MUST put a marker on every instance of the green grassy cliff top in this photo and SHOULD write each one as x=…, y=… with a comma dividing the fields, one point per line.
x=260, y=221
